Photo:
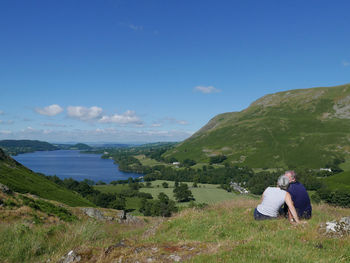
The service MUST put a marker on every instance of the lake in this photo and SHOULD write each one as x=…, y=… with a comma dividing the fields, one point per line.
x=69, y=163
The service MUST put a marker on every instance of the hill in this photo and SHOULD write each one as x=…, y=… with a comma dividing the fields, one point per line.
x=296, y=128
x=14, y=147
x=77, y=146
x=20, y=179
x=224, y=232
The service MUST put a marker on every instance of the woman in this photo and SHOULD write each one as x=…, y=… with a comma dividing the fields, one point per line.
x=272, y=200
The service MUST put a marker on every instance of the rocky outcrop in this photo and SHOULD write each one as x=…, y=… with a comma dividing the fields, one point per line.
x=121, y=216
x=94, y=213
x=5, y=189
x=70, y=257
x=337, y=228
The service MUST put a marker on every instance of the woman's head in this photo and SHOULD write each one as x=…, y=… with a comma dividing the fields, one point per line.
x=283, y=182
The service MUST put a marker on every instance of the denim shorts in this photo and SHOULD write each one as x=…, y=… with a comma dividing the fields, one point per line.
x=260, y=216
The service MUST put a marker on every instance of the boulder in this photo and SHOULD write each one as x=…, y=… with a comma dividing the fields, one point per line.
x=93, y=213
x=70, y=257
x=337, y=228
x=128, y=219
x=5, y=189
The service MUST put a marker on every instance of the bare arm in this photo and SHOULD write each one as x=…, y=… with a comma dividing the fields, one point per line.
x=291, y=207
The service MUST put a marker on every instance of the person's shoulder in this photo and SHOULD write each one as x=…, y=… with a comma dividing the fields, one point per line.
x=300, y=185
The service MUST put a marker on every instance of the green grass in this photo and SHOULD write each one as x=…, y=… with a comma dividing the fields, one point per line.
x=223, y=232
x=21, y=242
x=204, y=193
x=145, y=161
x=22, y=180
x=346, y=165
x=230, y=234
x=109, y=188
x=338, y=181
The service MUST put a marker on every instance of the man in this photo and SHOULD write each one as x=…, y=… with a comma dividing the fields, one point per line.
x=300, y=197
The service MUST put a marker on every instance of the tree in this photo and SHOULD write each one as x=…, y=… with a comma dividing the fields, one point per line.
x=188, y=162
x=217, y=159
x=165, y=184
x=161, y=207
x=182, y=193
x=120, y=204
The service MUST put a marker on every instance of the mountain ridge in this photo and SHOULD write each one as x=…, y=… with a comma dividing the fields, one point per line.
x=283, y=129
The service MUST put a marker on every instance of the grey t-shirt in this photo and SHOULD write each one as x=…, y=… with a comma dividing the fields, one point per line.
x=273, y=199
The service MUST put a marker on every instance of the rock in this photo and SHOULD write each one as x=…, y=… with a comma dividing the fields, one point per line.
x=71, y=257
x=111, y=248
x=337, y=228
x=175, y=258
x=5, y=189
x=331, y=226
x=128, y=219
x=93, y=213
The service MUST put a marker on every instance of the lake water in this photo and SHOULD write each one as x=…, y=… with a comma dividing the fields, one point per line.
x=69, y=163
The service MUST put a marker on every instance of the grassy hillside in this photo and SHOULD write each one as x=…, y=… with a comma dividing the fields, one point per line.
x=340, y=181
x=224, y=232
x=307, y=128
x=23, y=180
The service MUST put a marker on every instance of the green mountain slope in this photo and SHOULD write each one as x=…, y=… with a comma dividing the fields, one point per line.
x=20, y=179
x=309, y=128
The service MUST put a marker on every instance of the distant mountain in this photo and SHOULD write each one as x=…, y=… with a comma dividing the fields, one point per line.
x=14, y=147
x=20, y=179
x=306, y=127
x=77, y=146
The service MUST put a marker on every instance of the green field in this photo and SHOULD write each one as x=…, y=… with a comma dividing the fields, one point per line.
x=340, y=181
x=145, y=161
x=204, y=193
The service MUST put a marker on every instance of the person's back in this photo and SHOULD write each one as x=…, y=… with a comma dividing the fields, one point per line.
x=273, y=198
x=300, y=199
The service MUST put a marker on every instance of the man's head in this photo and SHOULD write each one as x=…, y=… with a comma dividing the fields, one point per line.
x=291, y=176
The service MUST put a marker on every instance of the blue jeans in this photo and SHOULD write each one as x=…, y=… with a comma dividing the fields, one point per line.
x=260, y=216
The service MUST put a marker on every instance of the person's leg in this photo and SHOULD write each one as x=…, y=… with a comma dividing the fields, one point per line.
x=260, y=216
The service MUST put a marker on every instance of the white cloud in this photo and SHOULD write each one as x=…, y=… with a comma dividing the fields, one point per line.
x=135, y=28
x=110, y=134
x=84, y=113
x=128, y=117
x=182, y=122
x=206, y=90
x=156, y=125
x=51, y=110
x=346, y=63
x=5, y=132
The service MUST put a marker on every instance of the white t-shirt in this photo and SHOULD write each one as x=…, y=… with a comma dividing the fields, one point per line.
x=273, y=199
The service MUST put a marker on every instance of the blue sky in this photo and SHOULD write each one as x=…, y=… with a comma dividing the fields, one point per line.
x=145, y=71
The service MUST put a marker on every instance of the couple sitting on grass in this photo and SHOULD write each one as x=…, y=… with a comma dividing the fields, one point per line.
x=288, y=192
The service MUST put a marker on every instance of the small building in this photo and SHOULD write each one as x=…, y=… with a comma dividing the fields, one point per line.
x=326, y=169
